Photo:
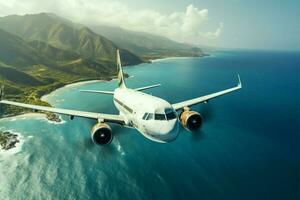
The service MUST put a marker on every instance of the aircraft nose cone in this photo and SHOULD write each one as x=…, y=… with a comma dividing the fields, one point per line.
x=173, y=133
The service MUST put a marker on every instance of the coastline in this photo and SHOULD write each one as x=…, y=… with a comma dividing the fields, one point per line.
x=176, y=57
x=44, y=98
x=86, y=81
x=170, y=58
x=25, y=115
x=43, y=116
x=77, y=83
x=32, y=115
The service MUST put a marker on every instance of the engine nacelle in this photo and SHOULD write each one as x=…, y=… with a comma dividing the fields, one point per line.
x=191, y=120
x=101, y=134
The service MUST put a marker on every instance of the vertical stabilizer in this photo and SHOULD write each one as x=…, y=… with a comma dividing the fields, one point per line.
x=121, y=80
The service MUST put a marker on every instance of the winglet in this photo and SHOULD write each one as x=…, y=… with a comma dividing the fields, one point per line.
x=239, y=83
x=1, y=92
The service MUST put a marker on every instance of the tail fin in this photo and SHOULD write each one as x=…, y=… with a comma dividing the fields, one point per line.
x=121, y=82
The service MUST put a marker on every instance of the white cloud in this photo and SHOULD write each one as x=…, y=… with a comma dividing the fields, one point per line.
x=183, y=26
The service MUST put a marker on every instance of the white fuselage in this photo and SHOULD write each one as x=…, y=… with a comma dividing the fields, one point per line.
x=153, y=117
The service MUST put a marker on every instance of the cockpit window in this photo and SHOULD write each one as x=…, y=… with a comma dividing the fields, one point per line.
x=160, y=117
x=150, y=116
x=171, y=115
x=145, y=116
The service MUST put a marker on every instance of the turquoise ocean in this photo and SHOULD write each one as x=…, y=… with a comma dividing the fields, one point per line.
x=248, y=148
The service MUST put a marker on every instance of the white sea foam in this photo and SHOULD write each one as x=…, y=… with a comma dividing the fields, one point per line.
x=54, y=122
x=120, y=149
x=39, y=116
x=82, y=83
x=13, y=119
x=72, y=85
x=23, y=117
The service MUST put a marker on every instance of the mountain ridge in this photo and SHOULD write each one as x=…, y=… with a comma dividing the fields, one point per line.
x=147, y=45
x=62, y=35
x=41, y=52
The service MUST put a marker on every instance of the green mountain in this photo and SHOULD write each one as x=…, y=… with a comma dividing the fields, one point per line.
x=41, y=52
x=64, y=35
x=36, y=67
x=30, y=69
x=15, y=51
x=145, y=44
x=14, y=76
x=71, y=62
x=36, y=57
x=52, y=52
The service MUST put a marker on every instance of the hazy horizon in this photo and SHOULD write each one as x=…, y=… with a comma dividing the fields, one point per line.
x=268, y=25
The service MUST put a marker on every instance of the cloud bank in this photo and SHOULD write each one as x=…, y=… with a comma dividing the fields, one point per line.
x=184, y=26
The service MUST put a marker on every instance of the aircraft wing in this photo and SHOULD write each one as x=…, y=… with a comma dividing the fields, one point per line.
x=73, y=113
x=98, y=91
x=147, y=87
x=206, y=98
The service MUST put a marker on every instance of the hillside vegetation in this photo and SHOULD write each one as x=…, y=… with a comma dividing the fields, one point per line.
x=147, y=46
x=41, y=52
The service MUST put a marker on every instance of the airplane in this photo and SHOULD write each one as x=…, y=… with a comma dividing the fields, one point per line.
x=153, y=117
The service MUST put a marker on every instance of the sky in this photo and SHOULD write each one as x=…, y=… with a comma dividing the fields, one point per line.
x=255, y=24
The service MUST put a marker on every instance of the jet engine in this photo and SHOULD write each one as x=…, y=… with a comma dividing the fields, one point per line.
x=191, y=120
x=102, y=134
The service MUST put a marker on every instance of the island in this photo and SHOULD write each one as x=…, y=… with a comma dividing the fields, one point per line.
x=53, y=117
x=37, y=62
x=8, y=140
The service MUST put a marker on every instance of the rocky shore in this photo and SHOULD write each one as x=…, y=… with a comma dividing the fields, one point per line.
x=53, y=117
x=8, y=140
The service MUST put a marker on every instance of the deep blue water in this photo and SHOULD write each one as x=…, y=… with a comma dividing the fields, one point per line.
x=248, y=147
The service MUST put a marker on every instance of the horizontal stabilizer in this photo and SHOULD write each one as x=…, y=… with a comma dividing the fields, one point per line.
x=98, y=91
x=147, y=87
